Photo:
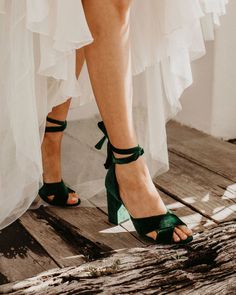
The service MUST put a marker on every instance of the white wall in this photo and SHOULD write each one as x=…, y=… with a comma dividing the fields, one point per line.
x=210, y=103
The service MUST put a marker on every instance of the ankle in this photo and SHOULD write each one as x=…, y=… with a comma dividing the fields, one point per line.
x=51, y=151
x=54, y=137
x=51, y=178
x=136, y=171
x=125, y=140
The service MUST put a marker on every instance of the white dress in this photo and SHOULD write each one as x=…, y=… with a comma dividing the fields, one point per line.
x=38, y=39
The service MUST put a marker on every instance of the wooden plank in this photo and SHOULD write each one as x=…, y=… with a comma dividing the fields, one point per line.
x=20, y=255
x=197, y=187
x=53, y=239
x=206, y=266
x=92, y=223
x=209, y=152
x=195, y=221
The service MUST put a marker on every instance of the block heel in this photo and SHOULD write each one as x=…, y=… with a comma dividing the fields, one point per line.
x=117, y=212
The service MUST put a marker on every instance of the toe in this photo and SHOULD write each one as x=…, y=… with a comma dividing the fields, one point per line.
x=176, y=237
x=185, y=229
x=73, y=198
x=50, y=198
x=152, y=235
x=180, y=233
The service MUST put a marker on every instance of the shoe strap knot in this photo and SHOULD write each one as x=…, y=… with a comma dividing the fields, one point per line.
x=134, y=152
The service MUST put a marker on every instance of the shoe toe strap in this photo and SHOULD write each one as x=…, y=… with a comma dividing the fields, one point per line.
x=169, y=220
x=59, y=191
x=166, y=227
x=165, y=235
x=70, y=190
x=61, y=197
x=163, y=225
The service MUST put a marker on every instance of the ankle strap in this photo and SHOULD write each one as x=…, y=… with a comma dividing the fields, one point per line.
x=134, y=152
x=62, y=125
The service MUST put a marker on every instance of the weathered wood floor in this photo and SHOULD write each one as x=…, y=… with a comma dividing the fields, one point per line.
x=200, y=186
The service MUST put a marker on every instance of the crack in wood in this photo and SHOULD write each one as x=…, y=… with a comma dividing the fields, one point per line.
x=3, y=279
x=206, y=266
x=91, y=250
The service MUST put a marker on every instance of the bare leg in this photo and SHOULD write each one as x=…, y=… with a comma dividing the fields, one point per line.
x=109, y=64
x=51, y=146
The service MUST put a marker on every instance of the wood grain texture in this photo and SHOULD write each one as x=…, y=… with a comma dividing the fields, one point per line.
x=54, y=241
x=199, y=188
x=92, y=224
x=206, y=266
x=209, y=152
x=20, y=254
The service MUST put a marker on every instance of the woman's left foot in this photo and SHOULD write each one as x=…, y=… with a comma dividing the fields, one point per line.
x=51, y=154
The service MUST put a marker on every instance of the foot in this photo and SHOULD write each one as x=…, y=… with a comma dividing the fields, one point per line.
x=141, y=197
x=51, y=154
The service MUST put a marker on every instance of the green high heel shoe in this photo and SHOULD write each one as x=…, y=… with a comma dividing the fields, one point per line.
x=58, y=190
x=164, y=224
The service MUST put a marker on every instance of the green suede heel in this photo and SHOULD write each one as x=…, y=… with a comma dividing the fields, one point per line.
x=117, y=212
x=164, y=224
x=57, y=189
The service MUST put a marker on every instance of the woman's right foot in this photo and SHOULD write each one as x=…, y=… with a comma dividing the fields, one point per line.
x=141, y=197
x=128, y=181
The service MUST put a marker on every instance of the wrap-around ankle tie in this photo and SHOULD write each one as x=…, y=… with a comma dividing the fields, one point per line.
x=134, y=152
x=61, y=125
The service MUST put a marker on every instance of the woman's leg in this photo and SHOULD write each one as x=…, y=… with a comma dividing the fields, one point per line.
x=51, y=146
x=109, y=64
